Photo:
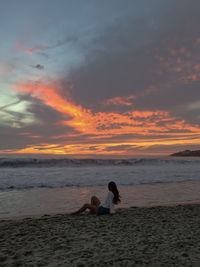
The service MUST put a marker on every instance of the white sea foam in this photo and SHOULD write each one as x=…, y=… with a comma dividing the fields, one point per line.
x=52, y=162
x=32, y=187
x=32, y=173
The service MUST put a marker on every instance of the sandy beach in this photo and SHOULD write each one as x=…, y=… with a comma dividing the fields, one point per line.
x=155, y=236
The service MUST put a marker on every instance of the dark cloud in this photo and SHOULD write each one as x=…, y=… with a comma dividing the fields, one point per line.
x=93, y=148
x=43, y=54
x=69, y=39
x=19, y=134
x=38, y=66
x=11, y=139
x=46, y=148
x=49, y=121
x=124, y=61
x=119, y=148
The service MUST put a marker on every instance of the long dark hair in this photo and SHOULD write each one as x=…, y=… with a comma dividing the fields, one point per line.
x=113, y=188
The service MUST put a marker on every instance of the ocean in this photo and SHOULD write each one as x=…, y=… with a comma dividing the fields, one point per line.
x=34, y=186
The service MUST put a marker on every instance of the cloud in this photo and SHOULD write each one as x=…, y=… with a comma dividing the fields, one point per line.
x=119, y=148
x=9, y=105
x=72, y=39
x=84, y=127
x=136, y=89
x=154, y=58
x=43, y=54
x=36, y=125
x=69, y=39
x=20, y=47
x=124, y=101
x=38, y=66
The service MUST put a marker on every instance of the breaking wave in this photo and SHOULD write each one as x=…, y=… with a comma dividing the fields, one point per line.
x=33, y=162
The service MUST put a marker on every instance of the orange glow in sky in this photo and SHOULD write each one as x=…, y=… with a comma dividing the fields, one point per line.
x=74, y=84
x=97, y=127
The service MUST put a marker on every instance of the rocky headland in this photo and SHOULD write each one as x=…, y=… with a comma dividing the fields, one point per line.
x=187, y=153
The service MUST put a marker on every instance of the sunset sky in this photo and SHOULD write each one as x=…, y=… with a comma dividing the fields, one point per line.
x=106, y=78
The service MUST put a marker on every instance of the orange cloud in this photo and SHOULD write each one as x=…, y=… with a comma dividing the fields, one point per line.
x=84, y=121
x=167, y=130
x=119, y=101
x=20, y=47
x=118, y=148
x=181, y=60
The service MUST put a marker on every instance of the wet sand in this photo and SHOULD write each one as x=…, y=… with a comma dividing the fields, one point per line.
x=155, y=236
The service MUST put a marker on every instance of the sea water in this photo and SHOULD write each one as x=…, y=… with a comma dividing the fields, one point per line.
x=45, y=186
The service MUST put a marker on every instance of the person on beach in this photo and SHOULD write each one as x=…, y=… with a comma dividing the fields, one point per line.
x=106, y=207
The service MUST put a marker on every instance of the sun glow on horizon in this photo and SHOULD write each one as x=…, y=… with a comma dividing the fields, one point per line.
x=105, y=133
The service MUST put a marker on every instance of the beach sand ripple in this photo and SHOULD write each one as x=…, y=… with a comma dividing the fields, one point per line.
x=156, y=236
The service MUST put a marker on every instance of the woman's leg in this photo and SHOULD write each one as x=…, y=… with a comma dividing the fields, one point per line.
x=92, y=208
x=95, y=201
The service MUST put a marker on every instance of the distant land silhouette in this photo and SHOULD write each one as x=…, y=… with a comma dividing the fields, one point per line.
x=187, y=153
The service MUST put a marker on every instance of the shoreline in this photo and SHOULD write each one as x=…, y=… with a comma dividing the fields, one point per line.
x=39, y=201
x=139, y=236
x=67, y=213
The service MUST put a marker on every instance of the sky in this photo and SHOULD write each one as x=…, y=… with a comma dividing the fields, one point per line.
x=109, y=78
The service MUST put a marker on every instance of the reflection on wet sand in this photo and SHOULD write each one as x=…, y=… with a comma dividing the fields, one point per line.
x=39, y=201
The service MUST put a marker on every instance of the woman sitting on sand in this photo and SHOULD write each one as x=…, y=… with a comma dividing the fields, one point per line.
x=98, y=208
